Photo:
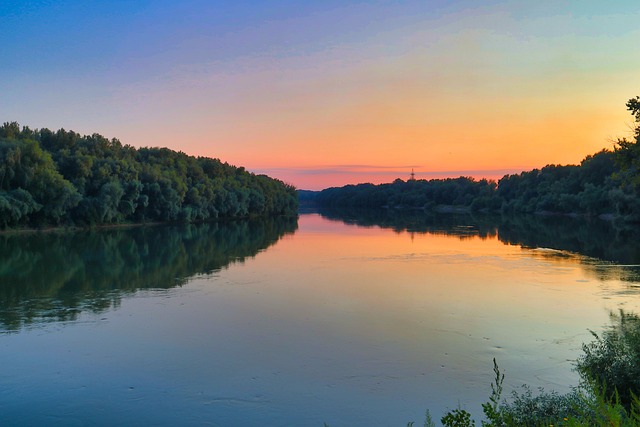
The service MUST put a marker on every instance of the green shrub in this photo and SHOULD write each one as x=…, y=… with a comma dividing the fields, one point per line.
x=457, y=418
x=606, y=397
x=527, y=409
x=612, y=361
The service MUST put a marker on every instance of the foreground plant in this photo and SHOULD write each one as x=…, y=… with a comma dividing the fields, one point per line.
x=607, y=395
x=613, y=359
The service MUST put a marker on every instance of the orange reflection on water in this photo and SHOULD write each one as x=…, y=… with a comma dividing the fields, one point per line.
x=420, y=316
x=402, y=286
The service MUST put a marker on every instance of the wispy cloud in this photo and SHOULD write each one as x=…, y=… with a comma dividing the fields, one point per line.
x=341, y=169
x=317, y=178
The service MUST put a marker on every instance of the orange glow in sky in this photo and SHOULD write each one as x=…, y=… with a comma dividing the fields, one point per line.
x=324, y=94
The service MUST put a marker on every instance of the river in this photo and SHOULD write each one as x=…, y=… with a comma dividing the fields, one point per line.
x=348, y=319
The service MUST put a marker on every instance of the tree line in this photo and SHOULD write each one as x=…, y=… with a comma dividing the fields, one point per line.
x=605, y=183
x=64, y=178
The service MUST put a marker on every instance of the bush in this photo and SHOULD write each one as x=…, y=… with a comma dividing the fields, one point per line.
x=613, y=359
x=527, y=409
x=607, y=396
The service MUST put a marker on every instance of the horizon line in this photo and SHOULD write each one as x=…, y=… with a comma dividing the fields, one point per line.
x=319, y=178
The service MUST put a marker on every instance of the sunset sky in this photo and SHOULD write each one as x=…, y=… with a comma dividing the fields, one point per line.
x=326, y=93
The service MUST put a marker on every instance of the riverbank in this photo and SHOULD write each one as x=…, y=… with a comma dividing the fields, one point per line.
x=461, y=209
x=50, y=229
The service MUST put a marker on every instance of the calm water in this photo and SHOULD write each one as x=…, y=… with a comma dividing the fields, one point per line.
x=347, y=318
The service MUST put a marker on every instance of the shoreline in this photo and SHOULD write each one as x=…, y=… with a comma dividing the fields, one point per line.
x=124, y=225
x=77, y=228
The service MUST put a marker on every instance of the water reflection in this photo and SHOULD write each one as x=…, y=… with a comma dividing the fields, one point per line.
x=56, y=276
x=608, y=250
x=369, y=326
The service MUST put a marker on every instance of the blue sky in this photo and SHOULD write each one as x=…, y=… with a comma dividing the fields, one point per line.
x=292, y=87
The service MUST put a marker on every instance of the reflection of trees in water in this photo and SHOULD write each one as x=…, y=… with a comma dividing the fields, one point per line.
x=595, y=238
x=56, y=276
x=616, y=247
x=414, y=221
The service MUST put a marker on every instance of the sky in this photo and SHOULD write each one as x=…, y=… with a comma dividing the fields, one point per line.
x=328, y=93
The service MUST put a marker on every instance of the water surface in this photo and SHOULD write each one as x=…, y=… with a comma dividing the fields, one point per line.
x=343, y=319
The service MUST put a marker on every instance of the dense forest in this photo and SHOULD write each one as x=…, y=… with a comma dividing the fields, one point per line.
x=606, y=183
x=63, y=178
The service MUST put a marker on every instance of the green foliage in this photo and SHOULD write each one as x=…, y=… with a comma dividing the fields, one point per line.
x=586, y=407
x=586, y=189
x=457, y=418
x=527, y=409
x=613, y=359
x=628, y=156
x=491, y=408
x=31, y=188
x=610, y=368
x=428, y=420
x=633, y=105
x=604, y=411
x=607, y=182
x=16, y=204
x=414, y=194
x=85, y=180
